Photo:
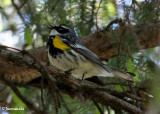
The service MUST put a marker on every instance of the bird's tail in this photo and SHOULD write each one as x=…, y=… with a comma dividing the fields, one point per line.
x=123, y=74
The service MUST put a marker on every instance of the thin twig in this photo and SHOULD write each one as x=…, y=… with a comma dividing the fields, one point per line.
x=108, y=109
x=135, y=2
x=55, y=5
x=122, y=35
x=99, y=108
x=65, y=105
x=42, y=96
x=3, y=89
x=97, y=15
x=24, y=2
x=124, y=94
x=115, y=83
x=117, y=20
x=56, y=100
x=18, y=11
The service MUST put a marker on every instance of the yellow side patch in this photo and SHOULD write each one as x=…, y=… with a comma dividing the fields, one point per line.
x=59, y=44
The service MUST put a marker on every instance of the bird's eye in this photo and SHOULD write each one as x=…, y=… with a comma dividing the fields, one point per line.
x=62, y=30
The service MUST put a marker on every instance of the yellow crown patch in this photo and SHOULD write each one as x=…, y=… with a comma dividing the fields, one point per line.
x=59, y=44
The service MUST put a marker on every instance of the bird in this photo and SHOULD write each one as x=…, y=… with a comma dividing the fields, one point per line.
x=66, y=52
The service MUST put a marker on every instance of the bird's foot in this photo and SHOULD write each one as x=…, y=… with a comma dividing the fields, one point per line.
x=68, y=72
x=83, y=75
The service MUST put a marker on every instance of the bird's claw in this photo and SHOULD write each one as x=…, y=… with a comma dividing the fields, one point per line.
x=68, y=72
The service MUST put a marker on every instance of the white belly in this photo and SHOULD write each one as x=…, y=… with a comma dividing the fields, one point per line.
x=81, y=68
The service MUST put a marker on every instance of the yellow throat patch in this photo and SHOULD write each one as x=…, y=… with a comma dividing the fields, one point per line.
x=59, y=44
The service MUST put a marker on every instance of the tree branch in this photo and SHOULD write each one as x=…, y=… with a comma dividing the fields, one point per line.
x=82, y=87
x=22, y=68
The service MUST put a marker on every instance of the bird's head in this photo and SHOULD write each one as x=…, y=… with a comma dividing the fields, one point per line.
x=62, y=33
x=66, y=32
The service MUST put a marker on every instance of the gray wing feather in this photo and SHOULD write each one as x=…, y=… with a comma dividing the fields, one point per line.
x=78, y=47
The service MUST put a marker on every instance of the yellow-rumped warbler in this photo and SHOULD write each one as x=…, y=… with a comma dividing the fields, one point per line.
x=66, y=53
